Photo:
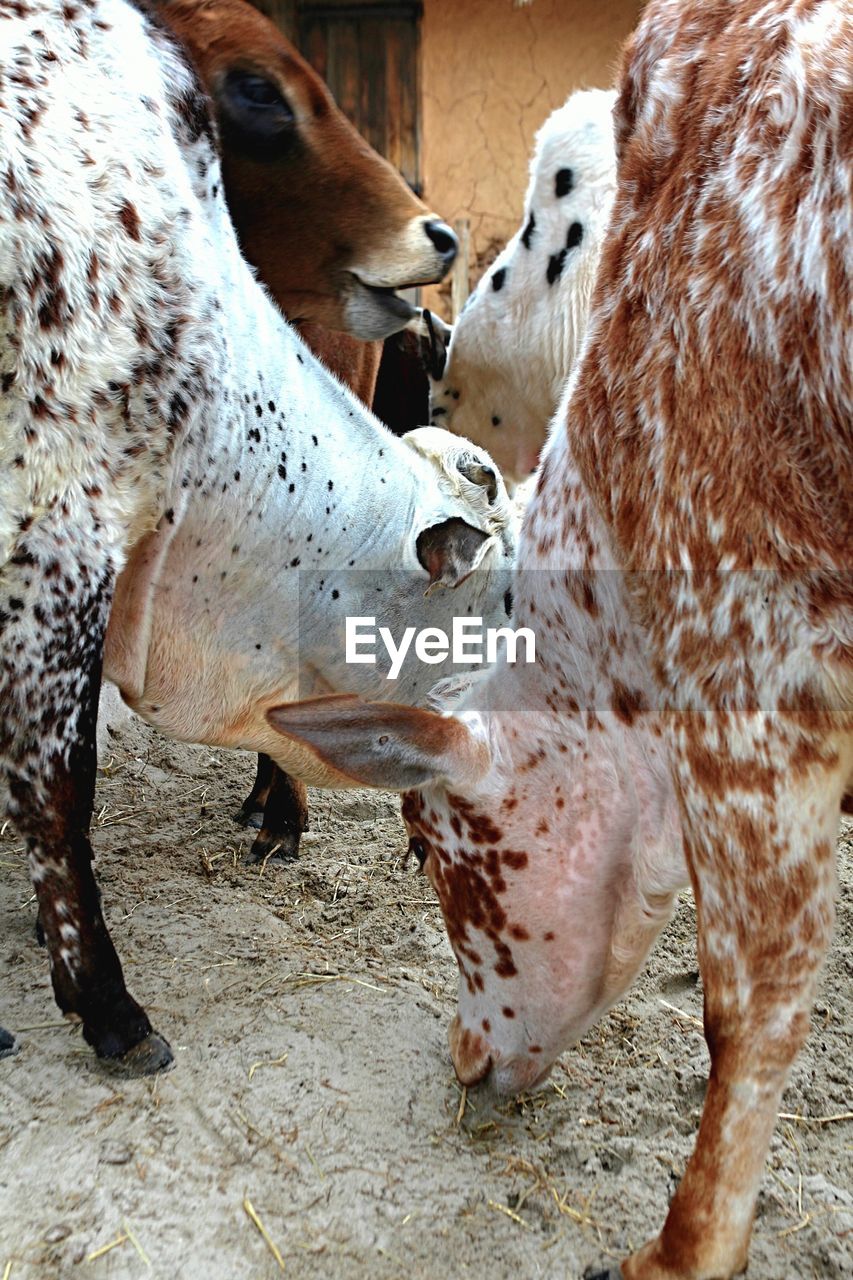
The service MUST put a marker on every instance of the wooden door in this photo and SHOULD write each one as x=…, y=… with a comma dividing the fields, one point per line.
x=283, y=14
x=368, y=54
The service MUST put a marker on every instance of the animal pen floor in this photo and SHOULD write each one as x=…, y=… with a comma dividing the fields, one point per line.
x=308, y=1008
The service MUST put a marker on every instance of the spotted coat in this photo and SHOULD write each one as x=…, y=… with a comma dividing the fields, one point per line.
x=685, y=561
x=162, y=428
x=520, y=332
x=296, y=172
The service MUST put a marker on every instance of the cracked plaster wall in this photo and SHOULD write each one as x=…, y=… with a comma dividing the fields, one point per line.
x=491, y=73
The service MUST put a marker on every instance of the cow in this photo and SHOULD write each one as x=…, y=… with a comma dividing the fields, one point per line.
x=310, y=200
x=685, y=562
x=174, y=462
x=330, y=224
x=514, y=344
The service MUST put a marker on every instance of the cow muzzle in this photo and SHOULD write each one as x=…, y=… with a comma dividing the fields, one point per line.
x=475, y=1062
x=472, y=1058
x=422, y=254
x=444, y=241
x=374, y=312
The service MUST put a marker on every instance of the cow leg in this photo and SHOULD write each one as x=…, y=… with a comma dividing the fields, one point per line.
x=41, y=939
x=251, y=811
x=48, y=708
x=285, y=818
x=278, y=804
x=762, y=861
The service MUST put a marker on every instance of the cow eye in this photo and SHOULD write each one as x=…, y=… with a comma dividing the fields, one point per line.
x=255, y=91
x=254, y=106
x=417, y=850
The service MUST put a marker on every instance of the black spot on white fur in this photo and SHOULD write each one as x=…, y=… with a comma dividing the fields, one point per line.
x=557, y=261
x=499, y=279
x=575, y=235
x=563, y=183
x=527, y=234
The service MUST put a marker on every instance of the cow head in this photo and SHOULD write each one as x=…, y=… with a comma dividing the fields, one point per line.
x=331, y=226
x=547, y=911
x=542, y=812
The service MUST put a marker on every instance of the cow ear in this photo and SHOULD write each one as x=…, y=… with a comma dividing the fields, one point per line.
x=480, y=473
x=381, y=744
x=451, y=550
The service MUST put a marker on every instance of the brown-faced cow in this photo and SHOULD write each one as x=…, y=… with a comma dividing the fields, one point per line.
x=331, y=225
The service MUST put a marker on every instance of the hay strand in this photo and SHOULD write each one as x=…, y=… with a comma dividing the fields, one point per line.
x=252, y=1214
x=132, y=1237
x=320, y=1172
x=688, y=1017
x=105, y=1248
x=48, y=1026
x=268, y=1062
x=505, y=1209
x=837, y=1119
x=297, y=980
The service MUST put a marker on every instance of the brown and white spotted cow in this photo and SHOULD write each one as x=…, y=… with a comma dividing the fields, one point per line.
x=158, y=415
x=686, y=565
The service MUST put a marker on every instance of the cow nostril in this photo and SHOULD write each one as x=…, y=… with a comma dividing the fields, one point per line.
x=443, y=238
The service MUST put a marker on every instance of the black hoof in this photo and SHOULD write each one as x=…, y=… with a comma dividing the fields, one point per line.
x=269, y=847
x=610, y=1273
x=8, y=1045
x=145, y=1058
x=249, y=816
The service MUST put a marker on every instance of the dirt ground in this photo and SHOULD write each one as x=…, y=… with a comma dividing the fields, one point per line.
x=308, y=1008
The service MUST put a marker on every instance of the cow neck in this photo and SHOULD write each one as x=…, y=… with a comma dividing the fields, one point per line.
x=298, y=455
x=570, y=592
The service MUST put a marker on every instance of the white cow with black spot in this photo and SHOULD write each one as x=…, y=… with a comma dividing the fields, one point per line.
x=520, y=332
x=173, y=461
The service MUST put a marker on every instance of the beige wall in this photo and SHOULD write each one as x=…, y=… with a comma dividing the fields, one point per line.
x=492, y=70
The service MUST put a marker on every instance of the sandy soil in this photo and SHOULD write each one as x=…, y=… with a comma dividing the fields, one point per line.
x=308, y=1008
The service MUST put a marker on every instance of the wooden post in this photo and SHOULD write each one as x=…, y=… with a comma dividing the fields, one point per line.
x=459, y=279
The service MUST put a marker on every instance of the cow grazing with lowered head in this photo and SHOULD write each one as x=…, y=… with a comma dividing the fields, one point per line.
x=173, y=461
x=520, y=332
x=685, y=563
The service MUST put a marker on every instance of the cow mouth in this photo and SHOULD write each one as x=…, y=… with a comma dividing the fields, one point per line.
x=376, y=311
